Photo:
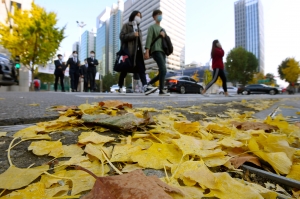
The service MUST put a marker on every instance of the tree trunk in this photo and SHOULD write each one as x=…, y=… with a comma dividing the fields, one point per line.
x=32, y=78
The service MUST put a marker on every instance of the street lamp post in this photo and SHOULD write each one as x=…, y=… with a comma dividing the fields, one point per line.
x=80, y=25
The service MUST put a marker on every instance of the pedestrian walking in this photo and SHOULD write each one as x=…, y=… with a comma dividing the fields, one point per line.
x=217, y=54
x=92, y=64
x=131, y=39
x=83, y=71
x=59, y=72
x=137, y=84
x=73, y=70
x=154, y=48
x=37, y=84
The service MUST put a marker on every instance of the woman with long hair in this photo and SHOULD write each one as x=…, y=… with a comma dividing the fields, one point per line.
x=217, y=54
x=131, y=40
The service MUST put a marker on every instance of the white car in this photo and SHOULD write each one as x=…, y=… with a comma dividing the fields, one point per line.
x=115, y=89
x=230, y=89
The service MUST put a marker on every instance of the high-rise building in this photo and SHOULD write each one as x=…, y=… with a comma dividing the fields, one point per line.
x=115, y=26
x=87, y=44
x=109, y=25
x=174, y=18
x=249, y=28
x=102, y=40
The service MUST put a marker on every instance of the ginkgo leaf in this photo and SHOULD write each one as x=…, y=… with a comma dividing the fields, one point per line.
x=220, y=184
x=71, y=150
x=51, y=148
x=123, y=153
x=31, y=133
x=216, y=161
x=218, y=129
x=93, y=137
x=95, y=150
x=33, y=191
x=278, y=160
x=157, y=156
x=131, y=167
x=189, y=145
x=179, y=170
x=229, y=142
x=15, y=178
x=294, y=173
x=186, y=126
x=3, y=134
x=57, y=191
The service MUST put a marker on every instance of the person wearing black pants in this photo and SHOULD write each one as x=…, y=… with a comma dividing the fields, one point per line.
x=92, y=63
x=154, y=47
x=59, y=72
x=131, y=39
x=84, y=74
x=74, y=71
x=217, y=54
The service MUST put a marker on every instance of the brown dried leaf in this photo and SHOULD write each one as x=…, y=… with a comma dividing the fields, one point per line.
x=127, y=186
x=240, y=160
x=245, y=126
x=114, y=104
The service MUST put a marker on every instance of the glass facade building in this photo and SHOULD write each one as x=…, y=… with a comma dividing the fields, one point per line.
x=109, y=25
x=249, y=28
x=114, y=43
x=87, y=45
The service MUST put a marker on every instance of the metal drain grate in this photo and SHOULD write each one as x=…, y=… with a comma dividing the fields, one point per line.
x=287, y=112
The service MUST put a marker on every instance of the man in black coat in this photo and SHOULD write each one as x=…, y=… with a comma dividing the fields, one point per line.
x=59, y=72
x=92, y=63
x=84, y=74
x=74, y=70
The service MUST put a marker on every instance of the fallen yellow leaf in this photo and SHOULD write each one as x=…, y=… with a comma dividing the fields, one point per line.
x=15, y=178
x=93, y=137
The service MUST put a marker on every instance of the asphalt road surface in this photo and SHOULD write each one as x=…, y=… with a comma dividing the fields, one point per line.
x=20, y=107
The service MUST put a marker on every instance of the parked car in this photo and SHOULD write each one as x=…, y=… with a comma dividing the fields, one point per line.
x=230, y=89
x=115, y=89
x=258, y=89
x=7, y=71
x=183, y=84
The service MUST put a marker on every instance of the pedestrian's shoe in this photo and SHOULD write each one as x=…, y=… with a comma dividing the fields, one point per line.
x=121, y=92
x=148, y=89
x=62, y=91
x=73, y=90
x=228, y=95
x=204, y=94
x=164, y=93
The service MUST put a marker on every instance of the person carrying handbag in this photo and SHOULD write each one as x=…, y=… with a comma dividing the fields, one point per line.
x=131, y=39
x=154, y=46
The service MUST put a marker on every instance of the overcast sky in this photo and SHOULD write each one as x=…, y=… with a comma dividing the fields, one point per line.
x=205, y=21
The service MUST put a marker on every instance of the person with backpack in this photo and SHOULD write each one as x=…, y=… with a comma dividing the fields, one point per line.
x=131, y=41
x=157, y=47
x=217, y=54
x=37, y=84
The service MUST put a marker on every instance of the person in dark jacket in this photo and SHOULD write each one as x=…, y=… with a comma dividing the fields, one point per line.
x=92, y=64
x=131, y=37
x=217, y=54
x=59, y=72
x=84, y=74
x=74, y=71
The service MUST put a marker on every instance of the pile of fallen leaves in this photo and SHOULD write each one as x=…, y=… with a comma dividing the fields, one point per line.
x=197, y=157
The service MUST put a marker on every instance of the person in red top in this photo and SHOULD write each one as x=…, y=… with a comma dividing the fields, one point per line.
x=217, y=54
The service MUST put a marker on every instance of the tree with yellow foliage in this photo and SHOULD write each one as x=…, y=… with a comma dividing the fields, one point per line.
x=289, y=70
x=195, y=76
x=33, y=35
x=219, y=82
x=256, y=78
